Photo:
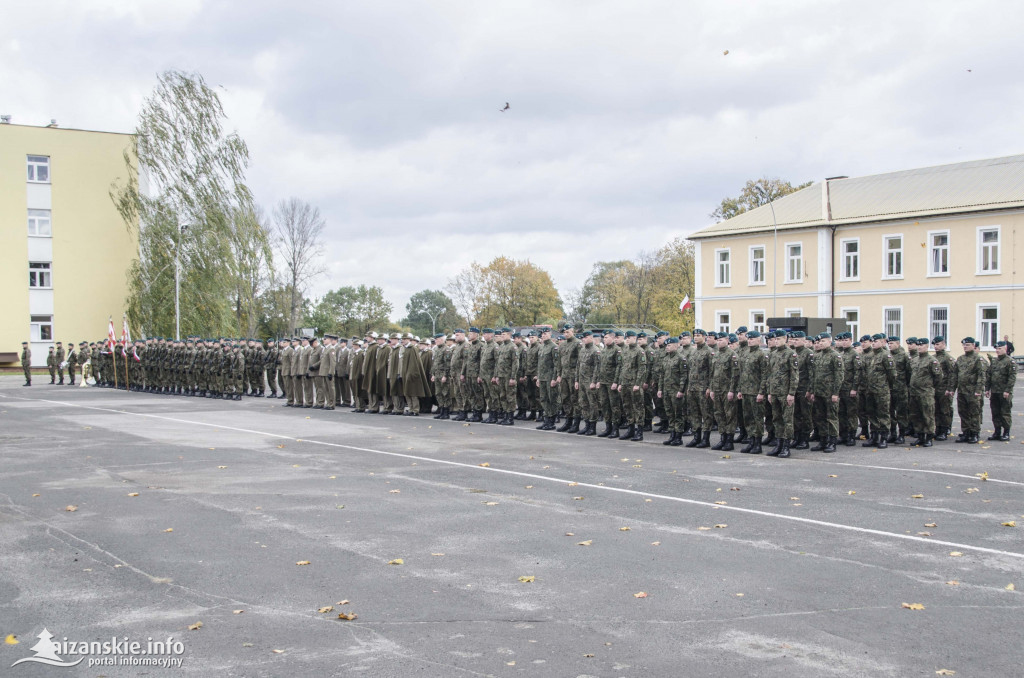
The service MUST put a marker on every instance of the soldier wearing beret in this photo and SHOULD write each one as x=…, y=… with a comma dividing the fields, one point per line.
x=943, y=393
x=925, y=378
x=725, y=375
x=826, y=382
x=969, y=384
x=586, y=384
x=698, y=402
x=879, y=380
x=783, y=382
x=899, y=419
x=1001, y=377
x=546, y=380
x=752, y=391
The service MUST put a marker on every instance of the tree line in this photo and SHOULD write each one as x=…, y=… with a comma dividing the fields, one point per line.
x=244, y=271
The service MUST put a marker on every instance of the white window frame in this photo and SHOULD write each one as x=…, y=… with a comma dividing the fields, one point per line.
x=718, y=320
x=981, y=247
x=949, y=254
x=35, y=221
x=844, y=255
x=728, y=267
x=751, y=282
x=856, y=326
x=40, y=268
x=932, y=332
x=34, y=161
x=793, y=313
x=36, y=328
x=885, y=322
x=790, y=258
x=885, y=256
x=982, y=338
x=759, y=326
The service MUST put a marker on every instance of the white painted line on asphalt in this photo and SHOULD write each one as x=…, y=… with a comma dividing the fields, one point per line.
x=561, y=481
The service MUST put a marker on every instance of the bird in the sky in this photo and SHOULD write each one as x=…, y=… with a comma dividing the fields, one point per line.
x=502, y=110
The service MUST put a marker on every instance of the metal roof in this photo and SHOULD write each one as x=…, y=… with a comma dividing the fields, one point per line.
x=979, y=185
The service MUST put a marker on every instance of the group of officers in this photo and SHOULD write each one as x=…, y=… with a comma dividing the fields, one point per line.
x=781, y=390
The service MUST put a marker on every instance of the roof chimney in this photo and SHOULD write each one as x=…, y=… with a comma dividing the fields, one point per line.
x=53, y=122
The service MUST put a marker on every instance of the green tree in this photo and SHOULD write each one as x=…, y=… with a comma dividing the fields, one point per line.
x=755, y=193
x=252, y=265
x=352, y=311
x=195, y=175
x=509, y=292
x=430, y=311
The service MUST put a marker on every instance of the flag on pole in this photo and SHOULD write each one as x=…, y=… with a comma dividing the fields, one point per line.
x=110, y=334
x=685, y=304
x=126, y=337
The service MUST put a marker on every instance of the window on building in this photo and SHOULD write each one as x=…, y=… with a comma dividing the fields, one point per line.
x=723, y=268
x=851, y=259
x=938, y=253
x=988, y=250
x=39, y=223
x=41, y=328
x=938, y=321
x=988, y=327
x=794, y=312
x=892, y=317
x=894, y=256
x=722, y=321
x=794, y=263
x=39, y=168
x=757, y=321
x=757, y=265
x=39, y=275
x=852, y=317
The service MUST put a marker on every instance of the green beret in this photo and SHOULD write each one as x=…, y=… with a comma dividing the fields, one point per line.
x=742, y=329
x=968, y=340
x=684, y=334
x=630, y=333
x=619, y=333
x=938, y=339
x=671, y=340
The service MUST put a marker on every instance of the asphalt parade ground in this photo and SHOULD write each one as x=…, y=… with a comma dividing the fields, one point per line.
x=481, y=550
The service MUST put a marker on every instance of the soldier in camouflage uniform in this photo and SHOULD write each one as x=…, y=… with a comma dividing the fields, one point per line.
x=826, y=382
x=568, y=356
x=752, y=391
x=899, y=421
x=586, y=384
x=879, y=380
x=802, y=422
x=439, y=376
x=608, y=394
x=848, y=392
x=1001, y=377
x=969, y=384
x=725, y=376
x=457, y=377
x=488, y=354
x=783, y=382
x=944, y=392
x=506, y=371
x=631, y=377
x=925, y=377
x=532, y=390
x=672, y=389
x=697, y=402
x=660, y=411
x=471, y=372
x=546, y=380
x=523, y=386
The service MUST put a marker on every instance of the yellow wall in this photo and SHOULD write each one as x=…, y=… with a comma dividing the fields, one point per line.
x=964, y=290
x=92, y=248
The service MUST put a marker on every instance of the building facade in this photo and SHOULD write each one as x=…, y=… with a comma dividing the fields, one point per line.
x=64, y=249
x=930, y=251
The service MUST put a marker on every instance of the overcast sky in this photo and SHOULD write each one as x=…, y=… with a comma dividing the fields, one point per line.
x=628, y=121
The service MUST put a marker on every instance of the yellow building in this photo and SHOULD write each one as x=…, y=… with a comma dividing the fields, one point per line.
x=929, y=251
x=64, y=249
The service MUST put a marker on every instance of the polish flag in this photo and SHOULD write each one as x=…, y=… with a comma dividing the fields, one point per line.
x=684, y=304
x=126, y=337
x=110, y=334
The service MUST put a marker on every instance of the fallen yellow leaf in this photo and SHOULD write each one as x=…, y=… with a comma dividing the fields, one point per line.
x=945, y=672
x=281, y=651
x=485, y=464
x=703, y=528
x=396, y=561
x=526, y=579
x=326, y=609
x=570, y=534
x=11, y=639
x=394, y=491
x=169, y=529
x=36, y=494
x=655, y=543
x=721, y=503
x=721, y=525
x=955, y=554
x=1009, y=523
x=529, y=487
x=331, y=477
x=490, y=503
x=302, y=562
x=726, y=456
x=832, y=475
x=983, y=475
x=913, y=606
x=577, y=498
x=342, y=602
x=573, y=484
x=133, y=494
x=794, y=498
x=917, y=496
x=347, y=616
x=237, y=611
x=70, y=508
x=931, y=524
x=222, y=467
x=953, y=582
x=852, y=492
x=585, y=543
x=195, y=627
x=642, y=594
x=1011, y=587
x=437, y=554
x=623, y=529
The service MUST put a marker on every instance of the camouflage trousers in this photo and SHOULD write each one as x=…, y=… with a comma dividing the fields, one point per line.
x=568, y=398
x=922, y=411
x=548, y=398
x=610, y=404
x=825, y=415
x=1001, y=407
x=876, y=409
x=782, y=415
x=753, y=415
x=899, y=409
x=633, y=404
x=943, y=411
x=701, y=412
x=848, y=413
x=674, y=412
x=588, y=404
x=725, y=413
x=506, y=395
x=802, y=418
x=968, y=406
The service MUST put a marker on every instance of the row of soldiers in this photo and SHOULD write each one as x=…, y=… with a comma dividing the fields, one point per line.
x=801, y=390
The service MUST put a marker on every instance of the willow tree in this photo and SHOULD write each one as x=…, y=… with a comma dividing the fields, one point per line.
x=185, y=186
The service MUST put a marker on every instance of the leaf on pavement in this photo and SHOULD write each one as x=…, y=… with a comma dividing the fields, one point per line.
x=396, y=561
x=1009, y=523
x=721, y=503
x=983, y=475
x=347, y=616
x=237, y=611
x=526, y=579
x=36, y=494
x=577, y=498
x=917, y=496
x=702, y=528
x=794, y=498
x=195, y=627
x=485, y=464
x=623, y=529
x=394, y=491
x=570, y=534
x=222, y=467
x=931, y=524
x=133, y=494
x=302, y=562
x=70, y=508
x=169, y=529
x=11, y=639
x=342, y=602
x=642, y=594
x=726, y=456
x=281, y=651
x=489, y=503
x=734, y=489
x=573, y=484
x=721, y=525
x=912, y=606
x=585, y=543
x=945, y=672
x=655, y=543
x=326, y=609
x=955, y=554
x=953, y=582
x=832, y=475
x=1011, y=587
x=852, y=492
x=924, y=534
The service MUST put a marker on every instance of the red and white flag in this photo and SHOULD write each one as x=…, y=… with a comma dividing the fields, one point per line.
x=126, y=337
x=110, y=334
x=685, y=304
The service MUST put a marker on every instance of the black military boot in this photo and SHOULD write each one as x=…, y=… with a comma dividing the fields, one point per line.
x=532, y=416
x=678, y=440
x=638, y=434
x=591, y=428
x=883, y=442
x=784, y=452
x=814, y=438
x=779, y=444
x=900, y=436
x=446, y=413
x=755, y=446
x=830, y=445
x=647, y=426
x=566, y=425
x=440, y=413
x=695, y=441
x=1005, y=435
x=543, y=424
x=941, y=434
x=995, y=434
x=822, y=442
x=893, y=433
x=705, y=440
x=606, y=432
x=750, y=445
x=872, y=441
x=662, y=426
x=801, y=442
x=742, y=436
x=614, y=434
x=550, y=424
x=927, y=440
x=769, y=438
x=671, y=438
x=721, y=442
x=583, y=432
x=973, y=439
x=575, y=428
x=962, y=438
x=728, y=447
x=630, y=430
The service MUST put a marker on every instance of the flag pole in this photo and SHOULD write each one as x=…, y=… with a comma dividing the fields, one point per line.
x=110, y=345
x=127, y=383
x=113, y=359
x=124, y=349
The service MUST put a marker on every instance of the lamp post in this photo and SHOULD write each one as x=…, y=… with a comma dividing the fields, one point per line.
x=177, y=283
